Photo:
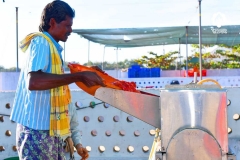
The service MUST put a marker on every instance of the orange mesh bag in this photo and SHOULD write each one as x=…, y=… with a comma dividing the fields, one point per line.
x=109, y=81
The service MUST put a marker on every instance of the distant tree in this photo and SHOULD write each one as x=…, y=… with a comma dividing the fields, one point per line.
x=207, y=60
x=231, y=58
x=2, y=69
x=111, y=66
x=166, y=61
x=12, y=69
x=228, y=57
x=106, y=65
x=203, y=45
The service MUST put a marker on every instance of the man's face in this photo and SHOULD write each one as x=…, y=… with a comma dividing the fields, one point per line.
x=61, y=31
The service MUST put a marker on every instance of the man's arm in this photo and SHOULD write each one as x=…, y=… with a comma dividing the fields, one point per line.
x=42, y=81
x=76, y=137
x=74, y=125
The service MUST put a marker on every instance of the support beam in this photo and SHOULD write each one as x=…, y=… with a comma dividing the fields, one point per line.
x=200, y=41
x=17, y=37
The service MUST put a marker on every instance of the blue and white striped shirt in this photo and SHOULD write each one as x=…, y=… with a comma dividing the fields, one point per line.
x=32, y=108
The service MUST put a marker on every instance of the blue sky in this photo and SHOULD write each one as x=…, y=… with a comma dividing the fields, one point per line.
x=108, y=14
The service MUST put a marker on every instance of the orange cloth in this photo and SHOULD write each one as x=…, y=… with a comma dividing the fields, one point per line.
x=109, y=81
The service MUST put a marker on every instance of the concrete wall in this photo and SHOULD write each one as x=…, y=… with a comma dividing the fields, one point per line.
x=8, y=81
x=108, y=124
x=115, y=139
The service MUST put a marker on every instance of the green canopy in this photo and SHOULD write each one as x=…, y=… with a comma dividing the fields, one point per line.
x=151, y=36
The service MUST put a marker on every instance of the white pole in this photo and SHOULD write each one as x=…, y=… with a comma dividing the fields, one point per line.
x=17, y=36
x=88, y=52
x=117, y=60
x=200, y=41
x=186, y=51
x=103, y=56
x=179, y=53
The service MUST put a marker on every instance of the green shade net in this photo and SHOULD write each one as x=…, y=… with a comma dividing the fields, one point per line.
x=152, y=36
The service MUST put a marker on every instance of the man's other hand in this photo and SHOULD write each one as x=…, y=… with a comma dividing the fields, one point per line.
x=82, y=152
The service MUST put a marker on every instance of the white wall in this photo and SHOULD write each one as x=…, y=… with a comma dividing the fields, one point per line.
x=8, y=80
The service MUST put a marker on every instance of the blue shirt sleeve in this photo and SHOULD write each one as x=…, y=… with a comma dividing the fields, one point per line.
x=39, y=55
x=74, y=125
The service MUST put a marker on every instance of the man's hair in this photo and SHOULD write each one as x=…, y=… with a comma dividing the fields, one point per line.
x=57, y=10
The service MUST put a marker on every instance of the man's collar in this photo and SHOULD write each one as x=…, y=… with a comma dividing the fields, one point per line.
x=57, y=45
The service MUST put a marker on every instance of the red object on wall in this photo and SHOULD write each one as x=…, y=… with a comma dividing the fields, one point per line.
x=191, y=73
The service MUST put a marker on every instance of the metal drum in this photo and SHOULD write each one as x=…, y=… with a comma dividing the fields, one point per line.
x=194, y=123
x=193, y=144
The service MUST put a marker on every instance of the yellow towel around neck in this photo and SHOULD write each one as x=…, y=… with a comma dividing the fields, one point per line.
x=60, y=96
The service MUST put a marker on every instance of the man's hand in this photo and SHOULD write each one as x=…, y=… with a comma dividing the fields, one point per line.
x=97, y=68
x=90, y=78
x=82, y=152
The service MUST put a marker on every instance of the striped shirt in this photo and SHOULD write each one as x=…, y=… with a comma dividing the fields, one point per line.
x=32, y=108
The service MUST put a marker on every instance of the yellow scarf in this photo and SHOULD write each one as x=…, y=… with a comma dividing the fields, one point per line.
x=60, y=96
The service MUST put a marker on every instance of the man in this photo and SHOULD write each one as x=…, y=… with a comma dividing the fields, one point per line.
x=42, y=97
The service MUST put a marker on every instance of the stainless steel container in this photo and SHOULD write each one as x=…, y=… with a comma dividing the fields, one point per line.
x=194, y=123
x=192, y=119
